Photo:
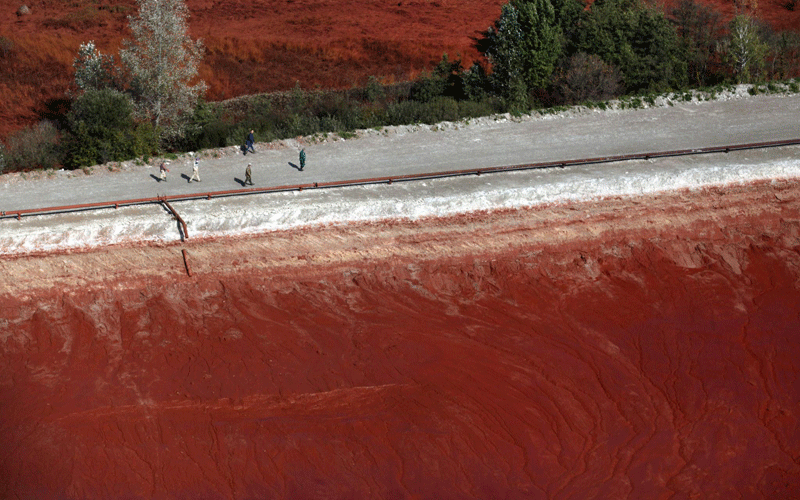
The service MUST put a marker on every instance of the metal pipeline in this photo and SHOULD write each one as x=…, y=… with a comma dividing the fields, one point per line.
x=185, y=234
x=17, y=214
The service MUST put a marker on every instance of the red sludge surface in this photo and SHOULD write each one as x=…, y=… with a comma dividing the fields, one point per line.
x=629, y=348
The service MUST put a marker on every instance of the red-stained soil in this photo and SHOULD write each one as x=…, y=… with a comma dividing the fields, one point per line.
x=261, y=45
x=637, y=348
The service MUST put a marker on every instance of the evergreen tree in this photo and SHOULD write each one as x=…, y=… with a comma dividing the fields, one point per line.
x=700, y=30
x=568, y=16
x=635, y=38
x=523, y=47
x=162, y=62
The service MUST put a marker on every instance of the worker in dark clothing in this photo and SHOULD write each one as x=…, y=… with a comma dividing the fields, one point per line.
x=251, y=139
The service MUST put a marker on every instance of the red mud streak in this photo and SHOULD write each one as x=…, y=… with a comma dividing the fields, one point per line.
x=641, y=348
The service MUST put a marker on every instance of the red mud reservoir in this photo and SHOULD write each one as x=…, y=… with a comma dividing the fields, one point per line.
x=631, y=347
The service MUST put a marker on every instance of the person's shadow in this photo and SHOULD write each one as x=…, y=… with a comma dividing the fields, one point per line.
x=240, y=181
x=157, y=178
x=295, y=166
x=186, y=177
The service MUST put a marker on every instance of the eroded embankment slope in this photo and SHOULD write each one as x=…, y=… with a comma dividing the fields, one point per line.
x=628, y=347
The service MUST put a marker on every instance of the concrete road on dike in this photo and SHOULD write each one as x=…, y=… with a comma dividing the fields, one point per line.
x=481, y=143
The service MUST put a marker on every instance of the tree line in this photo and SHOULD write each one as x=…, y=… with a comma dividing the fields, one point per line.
x=538, y=53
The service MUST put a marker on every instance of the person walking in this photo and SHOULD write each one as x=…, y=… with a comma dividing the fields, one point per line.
x=247, y=175
x=195, y=171
x=302, y=159
x=164, y=171
x=251, y=140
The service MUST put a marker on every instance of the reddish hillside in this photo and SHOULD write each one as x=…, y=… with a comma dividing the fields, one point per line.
x=251, y=46
x=257, y=46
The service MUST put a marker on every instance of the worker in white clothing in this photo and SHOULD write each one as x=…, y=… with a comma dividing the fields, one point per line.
x=195, y=171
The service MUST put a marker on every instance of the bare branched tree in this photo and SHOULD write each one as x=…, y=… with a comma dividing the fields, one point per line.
x=586, y=77
x=162, y=62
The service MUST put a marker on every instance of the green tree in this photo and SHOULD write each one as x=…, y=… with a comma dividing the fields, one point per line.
x=637, y=39
x=93, y=69
x=700, y=30
x=477, y=84
x=162, y=62
x=746, y=51
x=101, y=128
x=568, y=16
x=783, y=55
x=522, y=47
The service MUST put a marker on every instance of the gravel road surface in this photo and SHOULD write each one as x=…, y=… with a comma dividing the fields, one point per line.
x=735, y=118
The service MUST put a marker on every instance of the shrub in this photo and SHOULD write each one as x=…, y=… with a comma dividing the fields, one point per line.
x=477, y=84
x=102, y=129
x=586, y=77
x=33, y=147
x=405, y=112
x=80, y=20
x=331, y=124
x=475, y=109
x=374, y=91
x=6, y=46
x=445, y=80
x=2, y=158
x=442, y=109
x=204, y=130
x=427, y=88
x=408, y=112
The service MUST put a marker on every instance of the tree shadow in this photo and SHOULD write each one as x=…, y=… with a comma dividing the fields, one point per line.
x=55, y=110
x=177, y=222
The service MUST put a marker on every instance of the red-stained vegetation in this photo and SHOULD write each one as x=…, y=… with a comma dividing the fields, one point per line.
x=261, y=46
